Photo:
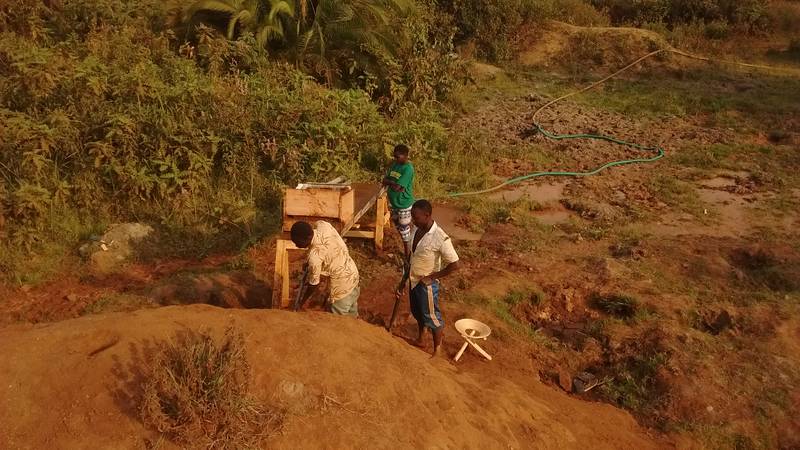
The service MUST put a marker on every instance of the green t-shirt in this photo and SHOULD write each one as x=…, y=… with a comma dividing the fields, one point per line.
x=402, y=174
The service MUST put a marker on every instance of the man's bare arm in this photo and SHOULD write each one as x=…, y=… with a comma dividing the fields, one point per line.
x=311, y=289
x=450, y=268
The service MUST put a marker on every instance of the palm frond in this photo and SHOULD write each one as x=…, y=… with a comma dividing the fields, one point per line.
x=269, y=32
x=239, y=18
x=304, y=42
x=278, y=8
x=219, y=6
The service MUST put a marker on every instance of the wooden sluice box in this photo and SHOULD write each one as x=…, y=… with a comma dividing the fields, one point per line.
x=343, y=205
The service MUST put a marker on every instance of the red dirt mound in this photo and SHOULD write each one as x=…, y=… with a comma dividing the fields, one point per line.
x=74, y=384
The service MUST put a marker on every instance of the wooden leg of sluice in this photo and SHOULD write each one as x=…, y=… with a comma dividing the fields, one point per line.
x=277, y=279
x=285, y=275
x=380, y=221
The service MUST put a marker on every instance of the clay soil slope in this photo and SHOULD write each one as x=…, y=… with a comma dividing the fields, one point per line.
x=344, y=384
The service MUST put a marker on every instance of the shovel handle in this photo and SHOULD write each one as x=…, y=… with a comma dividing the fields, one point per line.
x=298, y=300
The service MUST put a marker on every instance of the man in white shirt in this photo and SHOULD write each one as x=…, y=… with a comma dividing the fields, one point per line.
x=432, y=257
x=328, y=256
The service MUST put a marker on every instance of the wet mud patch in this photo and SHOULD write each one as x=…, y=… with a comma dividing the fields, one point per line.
x=542, y=193
x=777, y=269
x=455, y=222
x=227, y=290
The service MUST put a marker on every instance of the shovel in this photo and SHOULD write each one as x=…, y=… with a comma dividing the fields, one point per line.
x=396, y=308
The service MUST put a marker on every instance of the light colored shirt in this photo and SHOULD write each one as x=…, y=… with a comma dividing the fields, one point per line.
x=328, y=256
x=434, y=251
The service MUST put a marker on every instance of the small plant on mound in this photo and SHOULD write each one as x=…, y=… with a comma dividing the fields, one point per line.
x=794, y=47
x=196, y=393
x=533, y=297
x=616, y=305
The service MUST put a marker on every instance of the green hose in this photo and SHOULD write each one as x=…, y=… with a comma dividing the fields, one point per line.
x=659, y=153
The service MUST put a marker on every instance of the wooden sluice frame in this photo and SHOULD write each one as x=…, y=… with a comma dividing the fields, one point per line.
x=333, y=202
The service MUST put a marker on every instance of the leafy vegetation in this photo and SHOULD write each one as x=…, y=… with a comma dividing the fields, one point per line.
x=392, y=49
x=194, y=115
x=751, y=14
x=636, y=385
x=106, y=115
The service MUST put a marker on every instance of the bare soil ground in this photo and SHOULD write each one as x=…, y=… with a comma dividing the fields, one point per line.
x=358, y=387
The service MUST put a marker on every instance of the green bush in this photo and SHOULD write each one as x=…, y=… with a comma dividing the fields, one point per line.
x=748, y=14
x=108, y=115
x=634, y=11
x=396, y=50
x=581, y=13
x=493, y=25
x=717, y=30
x=784, y=16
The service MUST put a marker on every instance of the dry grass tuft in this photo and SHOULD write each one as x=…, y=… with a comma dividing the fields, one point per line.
x=196, y=394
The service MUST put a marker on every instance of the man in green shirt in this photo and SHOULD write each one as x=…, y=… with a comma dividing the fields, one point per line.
x=400, y=180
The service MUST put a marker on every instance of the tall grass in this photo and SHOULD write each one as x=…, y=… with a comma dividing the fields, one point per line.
x=196, y=393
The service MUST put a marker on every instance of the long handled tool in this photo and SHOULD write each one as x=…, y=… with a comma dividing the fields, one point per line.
x=396, y=308
x=301, y=291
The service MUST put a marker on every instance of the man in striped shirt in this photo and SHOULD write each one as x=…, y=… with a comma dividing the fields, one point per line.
x=328, y=256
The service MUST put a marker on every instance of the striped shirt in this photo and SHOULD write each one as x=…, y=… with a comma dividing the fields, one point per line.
x=328, y=256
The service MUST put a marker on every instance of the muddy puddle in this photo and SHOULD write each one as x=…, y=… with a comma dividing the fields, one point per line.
x=718, y=182
x=554, y=216
x=547, y=195
x=725, y=179
x=730, y=209
x=540, y=193
x=450, y=218
x=725, y=214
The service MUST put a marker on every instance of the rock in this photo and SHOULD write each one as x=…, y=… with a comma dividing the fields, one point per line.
x=72, y=298
x=567, y=297
x=375, y=319
x=778, y=136
x=293, y=396
x=116, y=246
x=608, y=269
x=291, y=389
x=718, y=322
x=583, y=382
x=592, y=351
x=564, y=380
x=534, y=97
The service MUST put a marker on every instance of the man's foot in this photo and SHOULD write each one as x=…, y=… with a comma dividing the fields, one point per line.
x=437, y=342
x=421, y=335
